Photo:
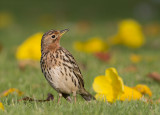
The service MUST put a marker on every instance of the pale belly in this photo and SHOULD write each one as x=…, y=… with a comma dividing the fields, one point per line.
x=61, y=80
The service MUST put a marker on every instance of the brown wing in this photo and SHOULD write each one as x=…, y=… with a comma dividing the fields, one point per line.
x=72, y=65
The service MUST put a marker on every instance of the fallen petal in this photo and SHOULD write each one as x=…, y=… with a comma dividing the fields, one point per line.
x=135, y=58
x=30, y=49
x=11, y=90
x=92, y=45
x=130, y=94
x=1, y=106
x=108, y=87
x=143, y=89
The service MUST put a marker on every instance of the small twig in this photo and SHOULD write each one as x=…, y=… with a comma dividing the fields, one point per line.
x=49, y=98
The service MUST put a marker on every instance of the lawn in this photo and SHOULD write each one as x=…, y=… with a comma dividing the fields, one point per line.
x=33, y=84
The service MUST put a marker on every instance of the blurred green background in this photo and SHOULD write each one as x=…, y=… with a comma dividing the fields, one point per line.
x=32, y=16
x=92, y=10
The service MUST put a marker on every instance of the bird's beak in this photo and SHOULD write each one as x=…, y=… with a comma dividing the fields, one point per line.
x=63, y=31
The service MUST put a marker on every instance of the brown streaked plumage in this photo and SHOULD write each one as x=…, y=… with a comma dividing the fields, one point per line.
x=60, y=68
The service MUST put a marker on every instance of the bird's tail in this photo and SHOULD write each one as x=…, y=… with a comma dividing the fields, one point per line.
x=87, y=96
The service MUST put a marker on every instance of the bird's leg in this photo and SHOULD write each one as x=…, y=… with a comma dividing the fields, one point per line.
x=60, y=95
x=74, y=95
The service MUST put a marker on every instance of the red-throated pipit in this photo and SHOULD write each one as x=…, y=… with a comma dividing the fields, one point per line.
x=60, y=68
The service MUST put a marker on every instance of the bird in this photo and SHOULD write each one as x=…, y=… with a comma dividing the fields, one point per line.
x=60, y=68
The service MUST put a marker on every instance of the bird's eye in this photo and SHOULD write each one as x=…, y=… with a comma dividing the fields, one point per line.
x=53, y=36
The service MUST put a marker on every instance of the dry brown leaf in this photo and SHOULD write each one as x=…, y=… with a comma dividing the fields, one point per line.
x=103, y=56
x=158, y=100
x=152, y=29
x=130, y=68
x=154, y=75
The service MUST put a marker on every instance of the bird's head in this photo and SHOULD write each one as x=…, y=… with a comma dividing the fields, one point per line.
x=50, y=40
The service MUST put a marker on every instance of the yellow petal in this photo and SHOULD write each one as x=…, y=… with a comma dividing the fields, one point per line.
x=11, y=90
x=93, y=45
x=109, y=86
x=135, y=58
x=143, y=89
x=130, y=33
x=30, y=49
x=1, y=106
x=130, y=94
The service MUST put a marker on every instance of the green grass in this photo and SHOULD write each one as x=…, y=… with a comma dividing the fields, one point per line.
x=32, y=82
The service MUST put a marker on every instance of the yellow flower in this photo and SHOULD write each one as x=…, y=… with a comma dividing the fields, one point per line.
x=111, y=88
x=143, y=89
x=130, y=94
x=1, y=106
x=30, y=49
x=129, y=34
x=11, y=90
x=108, y=87
x=93, y=45
x=135, y=58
